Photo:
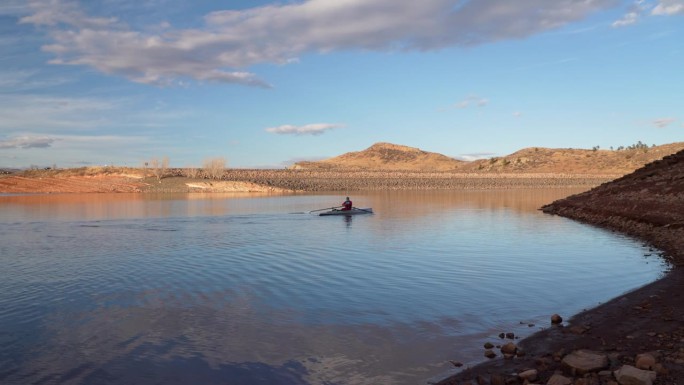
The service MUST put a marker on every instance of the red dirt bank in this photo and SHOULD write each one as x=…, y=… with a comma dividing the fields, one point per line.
x=649, y=205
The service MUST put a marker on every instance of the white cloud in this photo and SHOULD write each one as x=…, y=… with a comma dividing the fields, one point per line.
x=628, y=19
x=26, y=142
x=641, y=7
x=517, y=114
x=309, y=129
x=232, y=40
x=663, y=122
x=472, y=100
x=669, y=7
x=14, y=7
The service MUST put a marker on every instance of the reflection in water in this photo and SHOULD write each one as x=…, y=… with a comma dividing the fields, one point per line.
x=405, y=203
x=133, y=288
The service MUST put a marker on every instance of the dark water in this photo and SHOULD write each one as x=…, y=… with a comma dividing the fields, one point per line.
x=221, y=289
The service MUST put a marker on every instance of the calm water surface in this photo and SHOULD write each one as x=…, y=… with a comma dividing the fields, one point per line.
x=236, y=289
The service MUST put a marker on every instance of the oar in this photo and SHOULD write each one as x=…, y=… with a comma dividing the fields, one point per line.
x=329, y=208
x=368, y=211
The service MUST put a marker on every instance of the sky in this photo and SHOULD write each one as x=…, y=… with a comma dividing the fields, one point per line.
x=264, y=84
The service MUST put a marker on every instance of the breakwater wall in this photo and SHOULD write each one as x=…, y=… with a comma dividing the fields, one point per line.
x=327, y=180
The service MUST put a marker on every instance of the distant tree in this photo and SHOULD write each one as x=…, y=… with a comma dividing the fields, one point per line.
x=214, y=167
x=638, y=146
x=159, y=167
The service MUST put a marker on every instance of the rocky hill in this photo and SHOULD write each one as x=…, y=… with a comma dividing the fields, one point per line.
x=648, y=203
x=386, y=156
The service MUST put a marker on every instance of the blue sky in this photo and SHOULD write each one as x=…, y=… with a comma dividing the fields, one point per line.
x=264, y=83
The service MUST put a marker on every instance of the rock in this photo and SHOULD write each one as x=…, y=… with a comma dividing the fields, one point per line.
x=502, y=335
x=578, y=330
x=585, y=381
x=488, y=345
x=629, y=375
x=509, y=348
x=660, y=369
x=557, y=356
x=457, y=364
x=489, y=353
x=481, y=380
x=528, y=375
x=556, y=319
x=581, y=362
x=645, y=361
x=497, y=379
x=558, y=379
x=510, y=336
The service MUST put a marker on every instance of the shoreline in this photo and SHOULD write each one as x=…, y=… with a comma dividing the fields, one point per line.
x=282, y=181
x=642, y=329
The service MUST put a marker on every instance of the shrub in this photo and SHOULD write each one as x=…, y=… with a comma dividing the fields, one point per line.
x=191, y=172
x=159, y=167
x=214, y=167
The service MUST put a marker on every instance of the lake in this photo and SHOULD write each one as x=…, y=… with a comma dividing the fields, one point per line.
x=253, y=289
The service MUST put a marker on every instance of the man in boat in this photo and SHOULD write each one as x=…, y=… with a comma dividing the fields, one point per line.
x=347, y=205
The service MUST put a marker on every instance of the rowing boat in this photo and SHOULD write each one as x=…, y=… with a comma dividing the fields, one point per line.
x=353, y=211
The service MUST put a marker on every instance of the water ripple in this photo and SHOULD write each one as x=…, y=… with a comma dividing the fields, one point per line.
x=295, y=298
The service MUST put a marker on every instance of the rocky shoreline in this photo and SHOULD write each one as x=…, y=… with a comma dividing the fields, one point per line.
x=281, y=181
x=323, y=180
x=635, y=339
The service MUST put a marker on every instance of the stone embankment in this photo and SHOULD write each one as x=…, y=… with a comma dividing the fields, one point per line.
x=278, y=181
x=323, y=180
x=635, y=339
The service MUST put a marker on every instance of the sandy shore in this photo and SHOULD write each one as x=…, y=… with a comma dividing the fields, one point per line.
x=643, y=329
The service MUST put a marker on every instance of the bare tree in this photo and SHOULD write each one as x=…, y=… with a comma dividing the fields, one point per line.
x=214, y=167
x=159, y=167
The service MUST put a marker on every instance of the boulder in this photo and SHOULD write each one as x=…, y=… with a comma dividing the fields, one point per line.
x=581, y=362
x=629, y=375
x=556, y=319
x=488, y=345
x=489, y=353
x=558, y=379
x=509, y=348
x=528, y=375
x=645, y=361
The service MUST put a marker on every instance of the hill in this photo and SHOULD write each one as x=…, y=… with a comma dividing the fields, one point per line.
x=387, y=156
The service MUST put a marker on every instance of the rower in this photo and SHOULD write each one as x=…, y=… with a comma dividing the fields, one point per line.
x=347, y=205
